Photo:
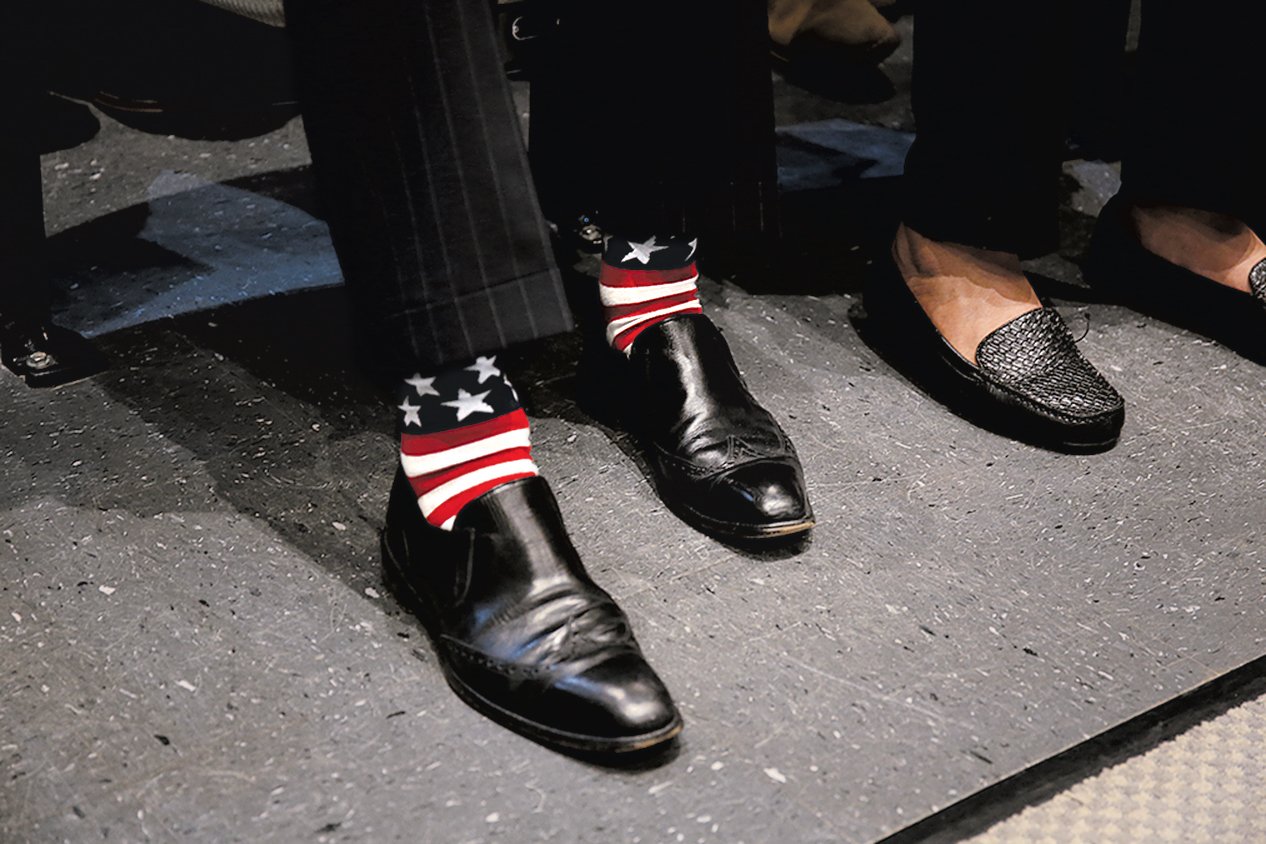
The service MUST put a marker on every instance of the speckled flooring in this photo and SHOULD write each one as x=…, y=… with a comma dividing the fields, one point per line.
x=195, y=643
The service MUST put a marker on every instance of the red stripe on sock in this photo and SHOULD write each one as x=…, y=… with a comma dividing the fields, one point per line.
x=619, y=277
x=614, y=312
x=625, y=338
x=422, y=484
x=453, y=506
x=418, y=444
x=422, y=445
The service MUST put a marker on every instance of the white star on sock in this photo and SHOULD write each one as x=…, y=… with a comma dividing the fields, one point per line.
x=467, y=404
x=643, y=251
x=411, y=413
x=694, y=244
x=424, y=386
x=485, y=367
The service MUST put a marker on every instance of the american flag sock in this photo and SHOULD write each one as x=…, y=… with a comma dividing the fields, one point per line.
x=644, y=282
x=463, y=433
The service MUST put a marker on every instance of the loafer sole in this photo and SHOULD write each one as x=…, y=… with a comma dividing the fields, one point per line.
x=551, y=737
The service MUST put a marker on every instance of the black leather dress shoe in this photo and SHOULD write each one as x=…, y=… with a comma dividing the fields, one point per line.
x=1030, y=381
x=1119, y=265
x=46, y=355
x=720, y=461
x=522, y=633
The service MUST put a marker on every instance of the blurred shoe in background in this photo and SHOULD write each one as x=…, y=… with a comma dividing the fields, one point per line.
x=831, y=32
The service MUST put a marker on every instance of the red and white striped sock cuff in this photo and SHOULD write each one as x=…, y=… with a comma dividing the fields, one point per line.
x=449, y=469
x=634, y=300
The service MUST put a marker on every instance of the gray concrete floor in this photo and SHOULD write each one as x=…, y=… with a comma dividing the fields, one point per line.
x=196, y=643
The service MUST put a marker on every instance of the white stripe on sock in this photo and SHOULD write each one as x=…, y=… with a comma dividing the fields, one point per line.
x=425, y=464
x=442, y=493
x=619, y=326
x=613, y=296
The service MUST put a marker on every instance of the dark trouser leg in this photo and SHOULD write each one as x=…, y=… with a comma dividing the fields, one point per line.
x=1097, y=118
x=424, y=178
x=1198, y=128
x=41, y=353
x=984, y=169
x=660, y=114
x=23, y=280
x=23, y=275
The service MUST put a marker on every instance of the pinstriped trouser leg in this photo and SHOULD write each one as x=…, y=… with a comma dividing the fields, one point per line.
x=424, y=178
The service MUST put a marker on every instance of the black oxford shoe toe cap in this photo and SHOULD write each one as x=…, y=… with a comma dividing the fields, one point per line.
x=620, y=698
x=761, y=498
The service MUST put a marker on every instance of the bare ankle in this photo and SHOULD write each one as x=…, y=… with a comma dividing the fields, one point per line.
x=919, y=255
x=966, y=291
x=1154, y=213
x=1218, y=246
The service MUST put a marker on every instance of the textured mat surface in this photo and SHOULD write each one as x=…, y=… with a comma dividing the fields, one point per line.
x=1207, y=784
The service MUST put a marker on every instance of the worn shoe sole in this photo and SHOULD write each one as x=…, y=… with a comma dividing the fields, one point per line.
x=729, y=531
x=556, y=739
